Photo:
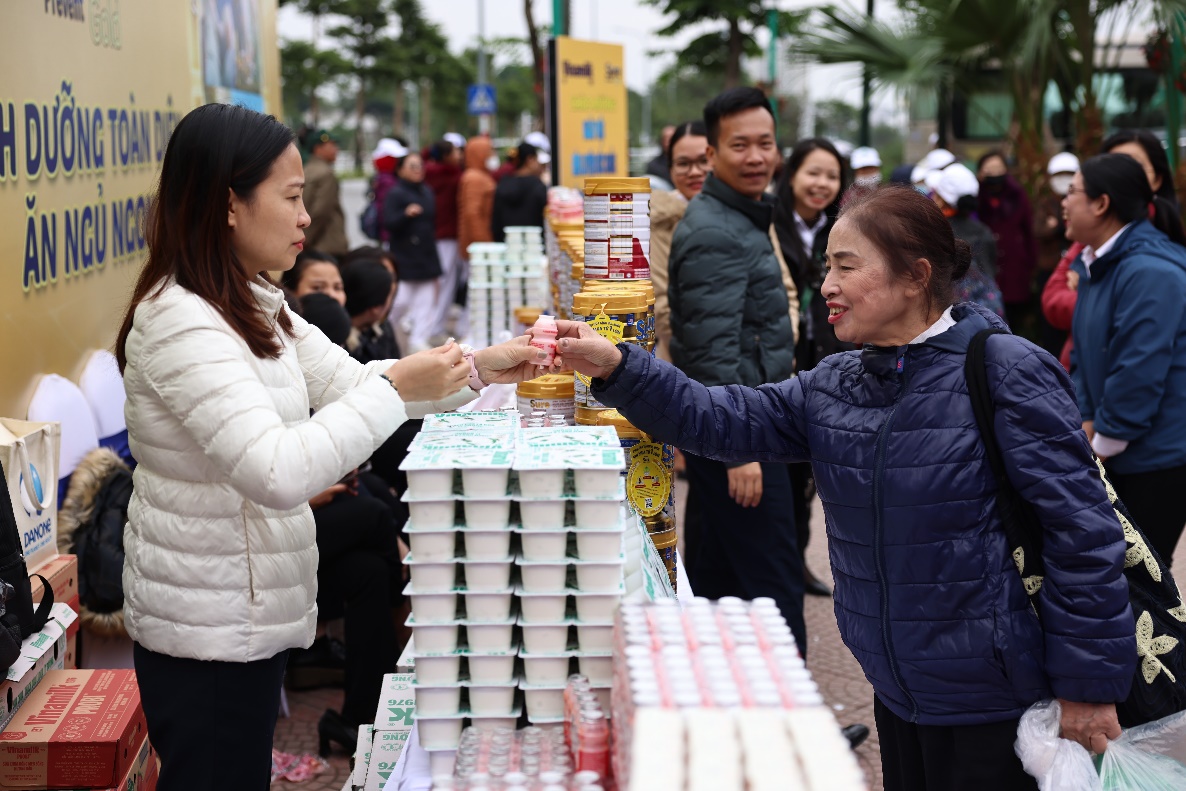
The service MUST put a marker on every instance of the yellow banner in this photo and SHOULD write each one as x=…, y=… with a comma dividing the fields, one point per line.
x=591, y=111
x=90, y=91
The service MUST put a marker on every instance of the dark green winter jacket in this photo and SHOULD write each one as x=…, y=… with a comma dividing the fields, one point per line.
x=729, y=307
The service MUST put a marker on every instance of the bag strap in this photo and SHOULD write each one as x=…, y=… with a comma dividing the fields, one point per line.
x=1021, y=526
x=41, y=614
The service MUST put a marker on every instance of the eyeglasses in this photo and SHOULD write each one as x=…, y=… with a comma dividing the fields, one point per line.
x=1071, y=190
x=686, y=165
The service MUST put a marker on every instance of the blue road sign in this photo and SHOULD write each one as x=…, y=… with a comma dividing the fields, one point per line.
x=480, y=100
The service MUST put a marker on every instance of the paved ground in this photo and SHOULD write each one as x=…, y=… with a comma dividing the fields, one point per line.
x=836, y=671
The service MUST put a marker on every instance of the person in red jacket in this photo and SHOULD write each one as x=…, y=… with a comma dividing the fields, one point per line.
x=1005, y=209
x=442, y=174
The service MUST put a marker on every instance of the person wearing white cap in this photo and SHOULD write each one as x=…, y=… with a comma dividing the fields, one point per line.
x=386, y=156
x=457, y=139
x=866, y=165
x=935, y=159
x=954, y=190
x=540, y=140
x=1051, y=231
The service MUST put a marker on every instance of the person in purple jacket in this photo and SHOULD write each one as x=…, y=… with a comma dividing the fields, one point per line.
x=927, y=596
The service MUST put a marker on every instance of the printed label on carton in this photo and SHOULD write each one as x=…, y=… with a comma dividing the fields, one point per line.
x=362, y=756
x=451, y=421
x=396, y=703
x=464, y=440
x=385, y=752
x=582, y=436
x=458, y=458
x=569, y=457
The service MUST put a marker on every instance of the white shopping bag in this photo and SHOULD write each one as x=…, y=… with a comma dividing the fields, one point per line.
x=31, y=452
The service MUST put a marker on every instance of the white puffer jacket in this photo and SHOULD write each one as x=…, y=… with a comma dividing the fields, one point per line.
x=220, y=553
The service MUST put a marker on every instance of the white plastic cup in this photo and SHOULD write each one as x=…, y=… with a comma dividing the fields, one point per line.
x=544, y=545
x=427, y=484
x=542, y=514
x=597, y=513
x=597, y=607
x=491, y=701
x=477, y=482
x=433, y=607
x=545, y=670
x=541, y=483
x=489, y=638
x=440, y=733
x=491, y=669
x=545, y=638
x=543, y=609
x=488, y=607
x=432, y=545
x=599, y=544
x=599, y=577
x=544, y=704
x=435, y=638
x=487, y=514
x=598, y=669
x=482, y=576
x=485, y=544
x=595, y=638
x=433, y=577
x=544, y=577
x=432, y=514
x=444, y=669
x=437, y=701
x=596, y=483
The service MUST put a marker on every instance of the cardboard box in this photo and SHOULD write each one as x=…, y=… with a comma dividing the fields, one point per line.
x=71, y=659
x=362, y=758
x=393, y=725
x=143, y=774
x=40, y=653
x=62, y=573
x=79, y=728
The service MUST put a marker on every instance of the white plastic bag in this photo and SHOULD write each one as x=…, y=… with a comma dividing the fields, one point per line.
x=1058, y=764
x=1149, y=757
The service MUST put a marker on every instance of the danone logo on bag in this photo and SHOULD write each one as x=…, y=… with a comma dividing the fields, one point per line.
x=30, y=506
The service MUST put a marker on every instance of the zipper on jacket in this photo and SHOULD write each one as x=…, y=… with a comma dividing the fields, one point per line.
x=250, y=574
x=878, y=551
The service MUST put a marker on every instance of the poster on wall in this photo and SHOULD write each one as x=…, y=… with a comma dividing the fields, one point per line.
x=82, y=136
x=588, y=111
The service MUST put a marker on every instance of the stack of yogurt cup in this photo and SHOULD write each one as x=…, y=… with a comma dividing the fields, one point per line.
x=463, y=609
x=571, y=528
x=490, y=312
x=526, y=267
x=516, y=537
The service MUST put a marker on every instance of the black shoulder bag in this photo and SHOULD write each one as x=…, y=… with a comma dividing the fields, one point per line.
x=1159, y=687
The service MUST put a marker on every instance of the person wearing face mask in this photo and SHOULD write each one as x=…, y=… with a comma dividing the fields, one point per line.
x=954, y=190
x=866, y=166
x=1006, y=210
x=1061, y=290
x=808, y=201
x=1129, y=326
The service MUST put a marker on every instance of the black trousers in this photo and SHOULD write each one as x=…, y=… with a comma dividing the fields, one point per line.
x=1155, y=501
x=948, y=758
x=803, y=485
x=747, y=552
x=212, y=723
x=360, y=567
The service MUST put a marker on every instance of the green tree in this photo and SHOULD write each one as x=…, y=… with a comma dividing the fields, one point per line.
x=735, y=23
x=364, y=40
x=303, y=70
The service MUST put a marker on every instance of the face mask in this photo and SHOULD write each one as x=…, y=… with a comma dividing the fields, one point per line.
x=492, y=162
x=994, y=183
x=1061, y=183
x=869, y=181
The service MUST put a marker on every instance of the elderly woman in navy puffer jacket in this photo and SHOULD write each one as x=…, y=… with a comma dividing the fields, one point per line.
x=927, y=596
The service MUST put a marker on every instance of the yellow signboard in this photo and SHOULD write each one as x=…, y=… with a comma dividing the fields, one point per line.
x=589, y=111
x=90, y=91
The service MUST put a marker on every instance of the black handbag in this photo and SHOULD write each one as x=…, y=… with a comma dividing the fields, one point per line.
x=18, y=605
x=1159, y=687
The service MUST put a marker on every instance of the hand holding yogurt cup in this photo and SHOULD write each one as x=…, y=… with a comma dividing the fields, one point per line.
x=579, y=347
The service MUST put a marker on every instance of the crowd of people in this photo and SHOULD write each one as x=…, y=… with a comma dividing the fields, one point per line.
x=815, y=307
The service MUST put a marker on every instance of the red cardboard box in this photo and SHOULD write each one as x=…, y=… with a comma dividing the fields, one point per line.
x=62, y=573
x=79, y=728
x=143, y=774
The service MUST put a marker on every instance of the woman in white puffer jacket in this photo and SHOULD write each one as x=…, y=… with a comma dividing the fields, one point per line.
x=220, y=567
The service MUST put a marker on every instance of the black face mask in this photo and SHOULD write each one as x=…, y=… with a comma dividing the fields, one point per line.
x=994, y=183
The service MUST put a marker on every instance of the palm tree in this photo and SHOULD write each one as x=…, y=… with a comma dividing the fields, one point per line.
x=945, y=45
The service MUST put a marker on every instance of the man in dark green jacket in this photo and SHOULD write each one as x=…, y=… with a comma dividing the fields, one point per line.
x=730, y=325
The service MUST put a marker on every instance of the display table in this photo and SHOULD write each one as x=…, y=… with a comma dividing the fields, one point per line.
x=413, y=773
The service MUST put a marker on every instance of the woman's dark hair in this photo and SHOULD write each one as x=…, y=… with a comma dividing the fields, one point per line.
x=367, y=283
x=1154, y=150
x=440, y=149
x=996, y=153
x=215, y=149
x=786, y=193
x=369, y=253
x=694, y=128
x=292, y=278
x=967, y=204
x=399, y=163
x=906, y=225
x=1130, y=197
x=731, y=102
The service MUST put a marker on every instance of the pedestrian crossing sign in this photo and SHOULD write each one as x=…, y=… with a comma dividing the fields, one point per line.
x=479, y=100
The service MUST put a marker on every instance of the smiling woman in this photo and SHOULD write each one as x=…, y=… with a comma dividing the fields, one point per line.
x=927, y=596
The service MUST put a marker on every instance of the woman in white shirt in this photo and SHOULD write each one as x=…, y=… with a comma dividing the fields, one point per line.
x=219, y=574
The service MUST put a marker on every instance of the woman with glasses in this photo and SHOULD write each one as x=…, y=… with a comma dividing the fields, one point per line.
x=808, y=202
x=1129, y=328
x=687, y=161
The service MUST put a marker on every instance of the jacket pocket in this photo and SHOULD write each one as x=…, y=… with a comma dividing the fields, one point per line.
x=247, y=545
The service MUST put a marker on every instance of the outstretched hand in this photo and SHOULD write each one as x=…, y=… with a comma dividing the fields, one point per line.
x=510, y=362
x=579, y=347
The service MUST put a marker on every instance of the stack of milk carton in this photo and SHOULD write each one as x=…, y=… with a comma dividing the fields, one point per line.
x=505, y=276
x=516, y=550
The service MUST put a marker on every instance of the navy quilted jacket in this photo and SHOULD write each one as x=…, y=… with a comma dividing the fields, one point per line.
x=927, y=596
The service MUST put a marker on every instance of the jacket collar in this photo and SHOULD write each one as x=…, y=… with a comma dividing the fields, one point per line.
x=270, y=298
x=970, y=319
x=1120, y=247
x=759, y=212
